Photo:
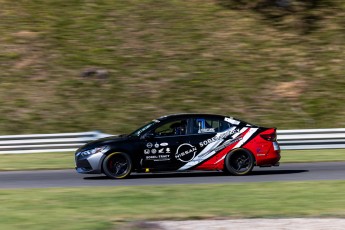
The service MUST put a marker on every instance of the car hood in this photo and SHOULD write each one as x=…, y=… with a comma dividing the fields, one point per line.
x=104, y=141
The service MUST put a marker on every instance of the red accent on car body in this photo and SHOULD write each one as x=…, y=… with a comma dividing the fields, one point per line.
x=261, y=146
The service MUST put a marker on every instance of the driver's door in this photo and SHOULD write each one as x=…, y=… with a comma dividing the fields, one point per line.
x=159, y=149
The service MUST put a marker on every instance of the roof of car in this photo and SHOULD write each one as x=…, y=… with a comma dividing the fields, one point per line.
x=188, y=115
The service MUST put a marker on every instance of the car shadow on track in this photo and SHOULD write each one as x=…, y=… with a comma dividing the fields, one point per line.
x=198, y=174
x=276, y=172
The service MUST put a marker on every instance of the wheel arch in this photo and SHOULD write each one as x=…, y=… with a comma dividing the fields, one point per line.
x=135, y=158
x=105, y=155
x=113, y=153
x=231, y=153
x=241, y=149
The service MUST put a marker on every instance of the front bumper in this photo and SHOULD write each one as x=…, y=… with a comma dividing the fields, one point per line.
x=91, y=164
x=87, y=171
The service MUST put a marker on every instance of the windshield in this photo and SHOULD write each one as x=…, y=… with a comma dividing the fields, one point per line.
x=142, y=129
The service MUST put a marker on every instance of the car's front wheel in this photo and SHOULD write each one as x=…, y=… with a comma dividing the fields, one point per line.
x=117, y=165
x=239, y=162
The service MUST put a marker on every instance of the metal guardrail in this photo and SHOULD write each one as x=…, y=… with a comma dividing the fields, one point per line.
x=69, y=142
x=37, y=143
x=312, y=138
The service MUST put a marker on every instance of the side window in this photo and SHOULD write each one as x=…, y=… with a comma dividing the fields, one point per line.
x=201, y=125
x=223, y=126
x=173, y=128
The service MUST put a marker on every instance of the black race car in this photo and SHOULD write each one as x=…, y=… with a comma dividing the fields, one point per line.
x=182, y=142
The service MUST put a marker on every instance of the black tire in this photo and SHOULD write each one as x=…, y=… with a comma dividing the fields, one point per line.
x=239, y=162
x=117, y=165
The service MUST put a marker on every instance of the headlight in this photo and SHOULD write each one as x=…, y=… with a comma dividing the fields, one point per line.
x=101, y=149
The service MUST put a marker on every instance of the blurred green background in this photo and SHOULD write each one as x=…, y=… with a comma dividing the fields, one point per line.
x=112, y=65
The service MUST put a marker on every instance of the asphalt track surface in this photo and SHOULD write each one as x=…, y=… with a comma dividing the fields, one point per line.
x=70, y=178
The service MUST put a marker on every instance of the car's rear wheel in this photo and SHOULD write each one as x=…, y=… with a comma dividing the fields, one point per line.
x=117, y=165
x=239, y=162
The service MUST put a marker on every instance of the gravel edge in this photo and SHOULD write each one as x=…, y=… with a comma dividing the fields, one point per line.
x=257, y=224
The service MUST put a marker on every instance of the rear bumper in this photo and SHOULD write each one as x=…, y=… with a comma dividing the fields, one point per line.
x=271, y=158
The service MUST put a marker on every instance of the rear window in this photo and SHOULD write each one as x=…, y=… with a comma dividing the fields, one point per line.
x=202, y=125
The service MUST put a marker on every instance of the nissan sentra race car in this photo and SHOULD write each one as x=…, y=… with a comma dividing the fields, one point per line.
x=182, y=142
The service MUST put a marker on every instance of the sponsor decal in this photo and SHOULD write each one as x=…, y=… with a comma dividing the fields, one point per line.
x=231, y=121
x=156, y=145
x=202, y=157
x=227, y=143
x=161, y=150
x=158, y=158
x=208, y=130
x=218, y=137
x=164, y=144
x=185, y=152
x=149, y=145
x=222, y=146
x=147, y=151
x=151, y=157
x=163, y=158
x=153, y=151
x=167, y=150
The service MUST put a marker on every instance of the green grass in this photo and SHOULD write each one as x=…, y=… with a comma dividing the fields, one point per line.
x=111, y=207
x=38, y=161
x=165, y=57
x=323, y=155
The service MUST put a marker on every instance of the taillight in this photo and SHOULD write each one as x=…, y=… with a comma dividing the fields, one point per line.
x=269, y=136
